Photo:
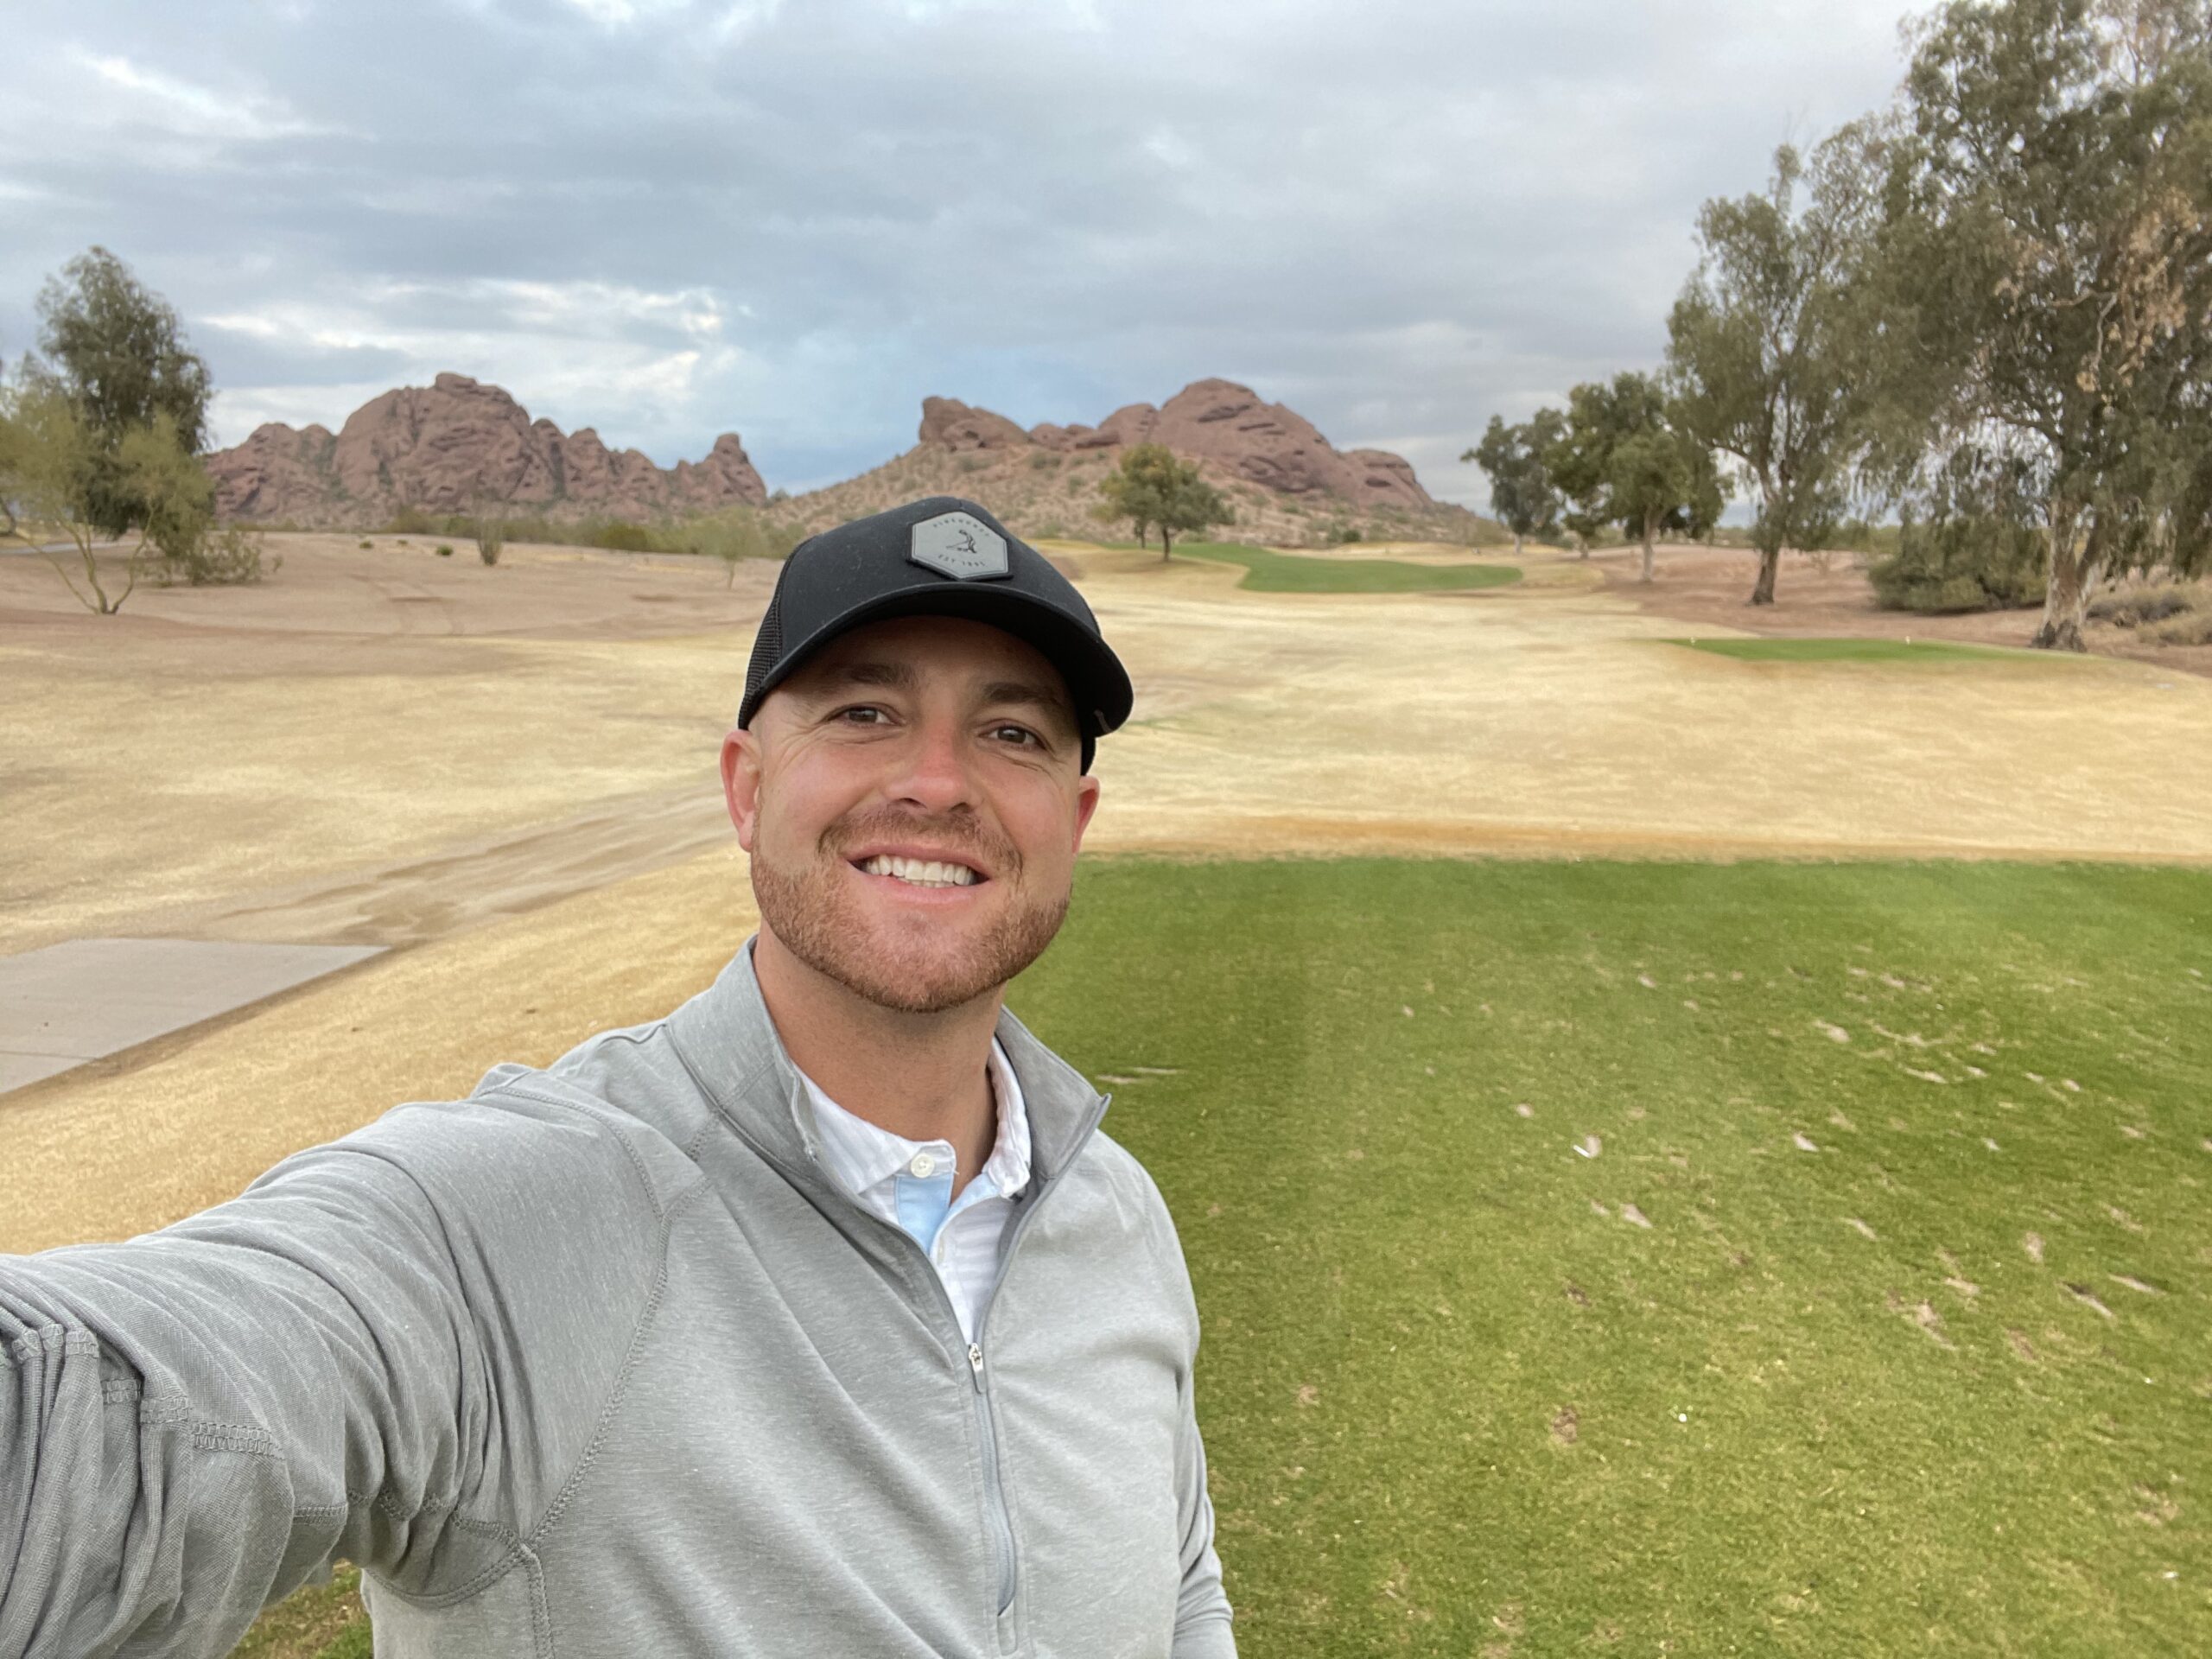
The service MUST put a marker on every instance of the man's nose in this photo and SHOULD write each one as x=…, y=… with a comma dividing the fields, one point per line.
x=935, y=775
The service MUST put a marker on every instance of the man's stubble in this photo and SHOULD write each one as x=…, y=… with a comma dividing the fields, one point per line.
x=816, y=915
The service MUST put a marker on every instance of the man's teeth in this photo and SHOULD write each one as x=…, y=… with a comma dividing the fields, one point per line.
x=923, y=872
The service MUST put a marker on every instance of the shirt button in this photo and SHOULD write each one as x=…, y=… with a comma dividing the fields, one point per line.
x=922, y=1166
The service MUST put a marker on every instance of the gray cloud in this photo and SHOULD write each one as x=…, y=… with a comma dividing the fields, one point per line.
x=667, y=220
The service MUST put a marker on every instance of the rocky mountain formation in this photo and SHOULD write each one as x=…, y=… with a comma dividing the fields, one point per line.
x=1286, y=482
x=457, y=444
x=446, y=447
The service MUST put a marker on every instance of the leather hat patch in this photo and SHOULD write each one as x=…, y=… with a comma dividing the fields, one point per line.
x=959, y=545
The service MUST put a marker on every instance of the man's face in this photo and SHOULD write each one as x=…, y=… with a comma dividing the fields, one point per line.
x=912, y=804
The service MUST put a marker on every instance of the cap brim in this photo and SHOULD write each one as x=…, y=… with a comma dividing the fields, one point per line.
x=1095, y=679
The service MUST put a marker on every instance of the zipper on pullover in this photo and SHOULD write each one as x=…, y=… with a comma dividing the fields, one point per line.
x=998, y=1521
x=1001, y=1523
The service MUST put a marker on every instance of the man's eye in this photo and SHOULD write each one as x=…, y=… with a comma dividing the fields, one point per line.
x=1021, y=735
x=862, y=714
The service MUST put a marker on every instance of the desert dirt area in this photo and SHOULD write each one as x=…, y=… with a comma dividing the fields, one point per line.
x=1825, y=596
x=506, y=777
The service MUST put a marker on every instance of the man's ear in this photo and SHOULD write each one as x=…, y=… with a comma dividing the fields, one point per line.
x=741, y=783
x=1086, y=802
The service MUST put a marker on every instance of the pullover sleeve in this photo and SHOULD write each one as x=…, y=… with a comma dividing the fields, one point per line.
x=194, y=1422
x=1202, y=1615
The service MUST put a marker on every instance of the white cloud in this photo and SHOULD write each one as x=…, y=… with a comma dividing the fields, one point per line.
x=194, y=111
x=622, y=359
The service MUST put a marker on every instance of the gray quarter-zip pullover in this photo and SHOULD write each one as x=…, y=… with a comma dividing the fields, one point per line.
x=601, y=1362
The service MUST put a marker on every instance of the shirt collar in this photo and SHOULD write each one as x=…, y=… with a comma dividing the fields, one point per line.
x=862, y=1155
x=726, y=1042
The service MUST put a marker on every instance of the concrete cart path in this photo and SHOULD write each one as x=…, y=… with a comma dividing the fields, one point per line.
x=89, y=998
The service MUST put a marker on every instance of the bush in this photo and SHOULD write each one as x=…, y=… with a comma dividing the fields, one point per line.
x=1979, y=563
x=490, y=530
x=218, y=558
x=2171, y=613
x=411, y=521
x=1978, y=548
x=445, y=550
x=733, y=535
x=622, y=536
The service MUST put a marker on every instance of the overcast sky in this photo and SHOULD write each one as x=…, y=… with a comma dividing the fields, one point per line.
x=793, y=220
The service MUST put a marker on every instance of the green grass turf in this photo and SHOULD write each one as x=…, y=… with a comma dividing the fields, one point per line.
x=1862, y=651
x=1457, y=1401
x=1785, y=1436
x=1267, y=571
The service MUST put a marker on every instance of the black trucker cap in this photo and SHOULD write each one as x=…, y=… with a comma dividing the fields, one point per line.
x=938, y=557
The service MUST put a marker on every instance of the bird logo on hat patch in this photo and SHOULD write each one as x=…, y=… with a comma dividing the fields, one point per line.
x=959, y=545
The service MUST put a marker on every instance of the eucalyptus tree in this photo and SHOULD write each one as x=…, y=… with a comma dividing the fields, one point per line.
x=1624, y=458
x=2048, y=225
x=1515, y=458
x=1764, y=343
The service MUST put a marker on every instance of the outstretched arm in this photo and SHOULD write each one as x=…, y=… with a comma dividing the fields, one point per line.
x=196, y=1421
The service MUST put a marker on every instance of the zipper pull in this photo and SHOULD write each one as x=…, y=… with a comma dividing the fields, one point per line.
x=975, y=1363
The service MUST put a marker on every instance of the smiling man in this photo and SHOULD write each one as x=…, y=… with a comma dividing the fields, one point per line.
x=817, y=1317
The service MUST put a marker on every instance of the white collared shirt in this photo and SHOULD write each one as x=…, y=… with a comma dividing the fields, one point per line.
x=909, y=1183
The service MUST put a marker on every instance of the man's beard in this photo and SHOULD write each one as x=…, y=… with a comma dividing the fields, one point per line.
x=915, y=969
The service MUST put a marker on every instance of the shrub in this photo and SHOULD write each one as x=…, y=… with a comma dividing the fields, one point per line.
x=2171, y=613
x=1978, y=549
x=445, y=550
x=490, y=530
x=411, y=521
x=218, y=558
x=622, y=536
x=1978, y=563
x=732, y=535
x=366, y=543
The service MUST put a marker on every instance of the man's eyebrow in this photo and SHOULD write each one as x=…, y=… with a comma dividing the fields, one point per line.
x=1029, y=692
x=900, y=676
x=894, y=677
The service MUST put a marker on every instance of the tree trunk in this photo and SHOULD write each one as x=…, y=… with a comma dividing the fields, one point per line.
x=2073, y=571
x=1517, y=544
x=1651, y=528
x=1166, y=547
x=1762, y=589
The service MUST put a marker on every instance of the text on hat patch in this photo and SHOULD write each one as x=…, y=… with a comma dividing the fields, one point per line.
x=959, y=545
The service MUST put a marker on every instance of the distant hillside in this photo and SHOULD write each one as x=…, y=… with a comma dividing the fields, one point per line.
x=1286, y=482
x=457, y=444
x=454, y=444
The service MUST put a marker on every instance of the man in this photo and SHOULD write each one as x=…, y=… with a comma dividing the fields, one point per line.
x=813, y=1319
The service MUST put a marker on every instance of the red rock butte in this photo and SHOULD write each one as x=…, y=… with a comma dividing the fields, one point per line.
x=1209, y=420
x=454, y=445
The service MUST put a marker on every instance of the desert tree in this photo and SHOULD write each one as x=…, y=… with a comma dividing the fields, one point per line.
x=1762, y=342
x=117, y=350
x=1522, y=493
x=54, y=454
x=1623, y=458
x=2048, y=225
x=1153, y=489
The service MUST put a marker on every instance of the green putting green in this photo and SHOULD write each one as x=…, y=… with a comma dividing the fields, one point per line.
x=1862, y=651
x=1267, y=571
